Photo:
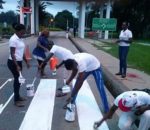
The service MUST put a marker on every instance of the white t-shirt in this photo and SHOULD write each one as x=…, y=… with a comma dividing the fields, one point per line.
x=142, y=97
x=125, y=35
x=86, y=62
x=61, y=52
x=19, y=45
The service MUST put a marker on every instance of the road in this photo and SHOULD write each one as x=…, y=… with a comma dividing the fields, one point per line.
x=44, y=111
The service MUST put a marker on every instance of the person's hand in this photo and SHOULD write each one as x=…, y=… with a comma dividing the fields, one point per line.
x=67, y=82
x=57, y=66
x=40, y=66
x=97, y=124
x=141, y=110
x=46, y=50
x=18, y=68
x=117, y=41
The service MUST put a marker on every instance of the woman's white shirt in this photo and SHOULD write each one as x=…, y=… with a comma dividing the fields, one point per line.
x=125, y=35
x=19, y=46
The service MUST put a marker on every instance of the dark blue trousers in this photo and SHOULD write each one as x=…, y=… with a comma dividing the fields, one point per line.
x=123, y=52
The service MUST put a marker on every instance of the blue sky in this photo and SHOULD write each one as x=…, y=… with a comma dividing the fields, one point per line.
x=53, y=9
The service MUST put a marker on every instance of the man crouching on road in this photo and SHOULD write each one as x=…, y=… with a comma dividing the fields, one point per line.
x=134, y=105
x=85, y=64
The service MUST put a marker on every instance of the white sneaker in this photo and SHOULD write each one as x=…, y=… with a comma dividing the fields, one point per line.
x=70, y=113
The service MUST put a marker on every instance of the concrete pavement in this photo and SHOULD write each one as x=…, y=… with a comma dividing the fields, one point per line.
x=110, y=65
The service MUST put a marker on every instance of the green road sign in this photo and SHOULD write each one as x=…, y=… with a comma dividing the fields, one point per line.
x=104, y=24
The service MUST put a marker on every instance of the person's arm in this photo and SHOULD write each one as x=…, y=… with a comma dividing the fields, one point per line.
x=129, y=41
x=39, y=45
x=26, y=61
x=46, y=60
x=107, y=116
x=73, y=74
x=142, y=109
x=12, y=52
x=78, y=84
x=59, y=65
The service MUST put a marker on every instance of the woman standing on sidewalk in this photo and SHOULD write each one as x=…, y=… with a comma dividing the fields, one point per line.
x=125, y=39
x=41, y=49
x=16, y=56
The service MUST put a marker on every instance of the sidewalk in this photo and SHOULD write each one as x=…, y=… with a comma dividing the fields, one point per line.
x=110, y=65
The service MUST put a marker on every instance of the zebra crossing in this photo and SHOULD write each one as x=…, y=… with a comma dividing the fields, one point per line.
x=40, y=111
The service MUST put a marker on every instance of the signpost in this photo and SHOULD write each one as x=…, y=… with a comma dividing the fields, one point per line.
x=104, y=24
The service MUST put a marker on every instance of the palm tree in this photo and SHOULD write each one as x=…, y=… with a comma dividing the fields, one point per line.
x=1, y=2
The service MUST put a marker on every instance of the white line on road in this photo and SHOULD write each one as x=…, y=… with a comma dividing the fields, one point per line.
x=3, y=106
x=87, y=109
x=9, y=80
x=40, y=112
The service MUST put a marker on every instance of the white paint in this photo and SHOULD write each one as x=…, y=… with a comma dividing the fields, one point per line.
x=4, y=106
x=87, y=109
x=40, y=112
x=9, y=80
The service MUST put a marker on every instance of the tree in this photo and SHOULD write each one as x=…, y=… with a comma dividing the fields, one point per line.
x=61, y=19
x=9, y=17
x=136, y=13
x=1, y=4
x=44, y=16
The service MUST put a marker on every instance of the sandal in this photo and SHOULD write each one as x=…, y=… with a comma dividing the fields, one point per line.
x=60, y=94
x=60, y=89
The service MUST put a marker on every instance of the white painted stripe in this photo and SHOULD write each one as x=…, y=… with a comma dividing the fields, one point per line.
x=87, y=109
x=9, y=80
x=40, y=112
x=3, y=106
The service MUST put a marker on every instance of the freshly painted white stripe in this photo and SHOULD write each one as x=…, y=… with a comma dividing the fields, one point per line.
x=87, y=109
x=40, y=112
x=3, y=106
x=9, y=80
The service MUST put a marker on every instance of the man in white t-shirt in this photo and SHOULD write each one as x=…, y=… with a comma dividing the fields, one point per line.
x=134, y=105
x=85, y=64
x=60, y=52
x=125, y=39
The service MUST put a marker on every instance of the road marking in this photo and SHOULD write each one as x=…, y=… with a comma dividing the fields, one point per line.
x=87, y=109
x=40, y=112
x=9, y=80
x=3, y=106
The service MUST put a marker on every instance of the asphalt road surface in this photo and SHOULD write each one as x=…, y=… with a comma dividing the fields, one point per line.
x=45, y=111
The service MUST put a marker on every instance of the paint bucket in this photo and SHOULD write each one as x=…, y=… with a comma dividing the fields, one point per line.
x=21, y=78
x=70, y=113
x=30, y=90
x=65, y=89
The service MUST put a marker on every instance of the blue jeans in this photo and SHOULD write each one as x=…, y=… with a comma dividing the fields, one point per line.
x=123, y=52
x=100, y=85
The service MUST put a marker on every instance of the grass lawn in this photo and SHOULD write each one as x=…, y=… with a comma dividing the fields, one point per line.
x=138, y=56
